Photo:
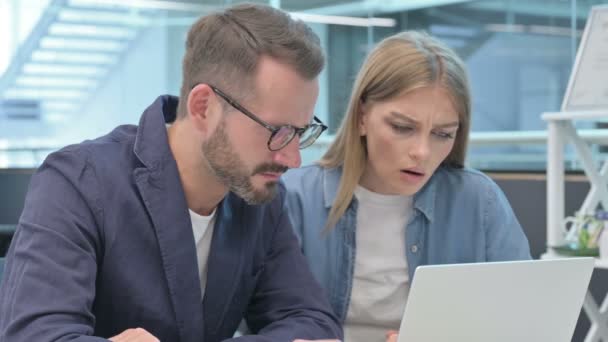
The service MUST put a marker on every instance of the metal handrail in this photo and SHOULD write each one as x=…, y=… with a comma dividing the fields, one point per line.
x=477, y=139
x=490, y=138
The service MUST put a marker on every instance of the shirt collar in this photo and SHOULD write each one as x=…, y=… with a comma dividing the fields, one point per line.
x=151, y=142
x=331, y=182
x=424, y=200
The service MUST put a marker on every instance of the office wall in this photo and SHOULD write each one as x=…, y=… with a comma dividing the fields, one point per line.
x=127, y=91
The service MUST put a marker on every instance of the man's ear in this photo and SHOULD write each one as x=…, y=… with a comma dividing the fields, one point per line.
x=199, y=103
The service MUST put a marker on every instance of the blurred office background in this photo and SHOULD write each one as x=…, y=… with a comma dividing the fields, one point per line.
x=74, y=69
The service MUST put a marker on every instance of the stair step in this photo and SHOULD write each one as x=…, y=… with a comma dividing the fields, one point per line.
x=42, y=69
x=101, y=9
x=80, y=82
x=103, y=18
x=28, y=93
x=84, y=58
x=70, y=30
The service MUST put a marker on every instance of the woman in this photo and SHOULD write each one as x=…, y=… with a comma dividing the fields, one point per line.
x=391, y=192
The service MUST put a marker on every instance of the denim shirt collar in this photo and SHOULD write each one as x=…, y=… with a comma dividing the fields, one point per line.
x=331, y=182
x=424, y=200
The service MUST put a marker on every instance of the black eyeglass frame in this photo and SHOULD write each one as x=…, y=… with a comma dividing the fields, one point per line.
x=274, y=129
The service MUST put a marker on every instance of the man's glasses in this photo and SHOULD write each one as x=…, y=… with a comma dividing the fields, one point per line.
x=280, y=136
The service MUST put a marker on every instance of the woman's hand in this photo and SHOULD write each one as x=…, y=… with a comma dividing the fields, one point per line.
x=391, y=336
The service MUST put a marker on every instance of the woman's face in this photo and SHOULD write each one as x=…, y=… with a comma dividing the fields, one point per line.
x=408, y=137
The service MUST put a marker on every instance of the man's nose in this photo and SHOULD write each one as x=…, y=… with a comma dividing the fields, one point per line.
x=289, y=155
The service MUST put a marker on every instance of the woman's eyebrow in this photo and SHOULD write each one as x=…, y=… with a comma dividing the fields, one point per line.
x=411, y=120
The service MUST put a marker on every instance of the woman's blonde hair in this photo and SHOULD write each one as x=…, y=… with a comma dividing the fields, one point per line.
x=397, y=65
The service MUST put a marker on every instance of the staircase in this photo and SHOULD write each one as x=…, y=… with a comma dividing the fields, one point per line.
x=67, y=56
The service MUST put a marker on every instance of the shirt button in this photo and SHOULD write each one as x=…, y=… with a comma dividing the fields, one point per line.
x=414, y=249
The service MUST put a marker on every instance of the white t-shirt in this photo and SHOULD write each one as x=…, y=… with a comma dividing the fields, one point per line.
x=381, y=282
x=202, y=227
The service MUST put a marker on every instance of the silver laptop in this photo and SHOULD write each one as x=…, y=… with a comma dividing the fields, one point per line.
x=536, y=300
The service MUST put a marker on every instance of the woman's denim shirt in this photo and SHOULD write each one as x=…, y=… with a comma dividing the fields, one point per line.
x=460, y=216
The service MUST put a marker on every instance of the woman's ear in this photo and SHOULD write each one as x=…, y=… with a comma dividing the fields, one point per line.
x=362, y=118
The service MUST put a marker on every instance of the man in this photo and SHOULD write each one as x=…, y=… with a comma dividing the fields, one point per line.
x=174, y=230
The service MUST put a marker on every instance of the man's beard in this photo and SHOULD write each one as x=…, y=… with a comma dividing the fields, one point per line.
x=226, y=165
